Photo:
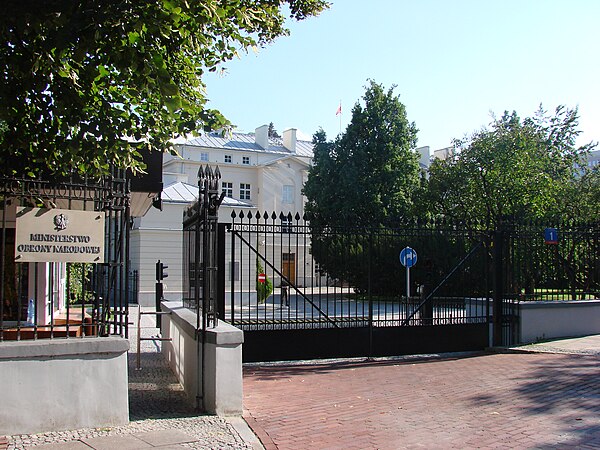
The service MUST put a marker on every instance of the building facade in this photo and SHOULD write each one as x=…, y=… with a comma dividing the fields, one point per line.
x=258, y=174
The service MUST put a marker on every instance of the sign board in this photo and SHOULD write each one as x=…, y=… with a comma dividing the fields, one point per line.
x=262, y=278
x=408, y=257
x=551, y=236
x=59, y=235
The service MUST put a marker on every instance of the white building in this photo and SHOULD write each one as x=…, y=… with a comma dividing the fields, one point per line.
x=257, y=174
x=593, y=159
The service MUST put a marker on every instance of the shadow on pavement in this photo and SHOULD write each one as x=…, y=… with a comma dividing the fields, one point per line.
x=567, y=386
x=271, y=371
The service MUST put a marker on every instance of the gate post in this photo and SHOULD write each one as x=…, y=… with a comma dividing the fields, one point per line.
x=498, y=297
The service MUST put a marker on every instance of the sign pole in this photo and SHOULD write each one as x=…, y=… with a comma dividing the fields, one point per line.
x=408, y=258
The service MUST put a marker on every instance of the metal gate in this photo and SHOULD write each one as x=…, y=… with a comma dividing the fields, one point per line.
x=302, y=292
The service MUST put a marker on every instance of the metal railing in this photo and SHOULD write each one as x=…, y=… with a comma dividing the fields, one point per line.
x=139, y=337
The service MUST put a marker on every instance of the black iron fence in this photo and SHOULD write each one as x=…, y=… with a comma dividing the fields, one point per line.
x=551, y=262
x=62, y=299
x=303, y=290
x=283, y=273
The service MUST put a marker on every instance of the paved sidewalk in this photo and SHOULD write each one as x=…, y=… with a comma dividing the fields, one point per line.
x=484, y=400
x=587, y=345
x=161, y=417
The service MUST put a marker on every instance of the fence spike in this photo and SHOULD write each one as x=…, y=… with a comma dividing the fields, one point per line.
x=297, y=217
x=265, y=215
x=273, y=215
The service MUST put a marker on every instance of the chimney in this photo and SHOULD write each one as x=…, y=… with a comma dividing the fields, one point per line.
x=289, y=139
x=424, y=156
x=261, y=136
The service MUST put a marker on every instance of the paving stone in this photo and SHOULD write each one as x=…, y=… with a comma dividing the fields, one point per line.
x=120, y=442
x=165, y=437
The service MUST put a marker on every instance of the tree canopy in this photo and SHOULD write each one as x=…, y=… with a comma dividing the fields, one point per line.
x=91, y=82
x=526, y=169
x=369, y=174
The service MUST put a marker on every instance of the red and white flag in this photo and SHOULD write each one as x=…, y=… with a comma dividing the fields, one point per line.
x=339, y=110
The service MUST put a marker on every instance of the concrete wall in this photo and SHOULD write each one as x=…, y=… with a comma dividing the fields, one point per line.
x=223, y=360
x=62, y=384
x=157, y=236
x=549, y=320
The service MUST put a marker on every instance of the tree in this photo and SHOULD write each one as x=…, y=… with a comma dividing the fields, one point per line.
x=370, y=173
x=368, y=177
x=272, y=133
x=518, y=168
x=87, y=83
x=524, y=171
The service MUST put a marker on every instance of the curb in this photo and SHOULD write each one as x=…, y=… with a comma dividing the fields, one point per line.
x=240, y=424
x=259, y=431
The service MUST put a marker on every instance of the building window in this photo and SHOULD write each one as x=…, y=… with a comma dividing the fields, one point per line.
x=203, y=156
x=244, y=191
x=288, y=194
x=227, y=188
x=228, y=158
x=246, y=160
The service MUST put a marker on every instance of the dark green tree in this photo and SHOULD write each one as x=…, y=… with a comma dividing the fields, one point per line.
x=85, y=83
x=272, y=133
x=370, y=173
x=363, y=182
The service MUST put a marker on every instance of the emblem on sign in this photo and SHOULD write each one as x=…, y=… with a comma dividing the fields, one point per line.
x=60, y=222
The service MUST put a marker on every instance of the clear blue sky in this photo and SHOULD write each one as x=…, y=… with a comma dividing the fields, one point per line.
x=454, y=63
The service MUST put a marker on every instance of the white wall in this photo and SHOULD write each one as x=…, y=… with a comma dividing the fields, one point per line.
x=549, y=320
x=272, y=179
x=223, y=393
x=158, y=236
x=63, y=384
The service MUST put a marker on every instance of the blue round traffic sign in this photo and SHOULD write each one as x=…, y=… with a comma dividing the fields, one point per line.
x=408, y=257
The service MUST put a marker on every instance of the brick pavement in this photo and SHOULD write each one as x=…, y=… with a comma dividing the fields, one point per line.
x=483, y=401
